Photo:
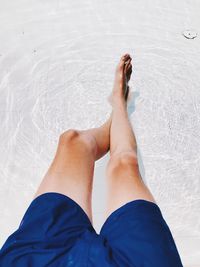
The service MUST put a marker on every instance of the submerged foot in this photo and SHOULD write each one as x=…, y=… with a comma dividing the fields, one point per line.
x=122, y=76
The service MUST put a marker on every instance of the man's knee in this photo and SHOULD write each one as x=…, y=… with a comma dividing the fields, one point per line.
x=76, y=139
x=69, y=136
x=122, y=163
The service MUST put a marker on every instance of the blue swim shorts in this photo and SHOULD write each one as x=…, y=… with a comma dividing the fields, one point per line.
x=56, y=232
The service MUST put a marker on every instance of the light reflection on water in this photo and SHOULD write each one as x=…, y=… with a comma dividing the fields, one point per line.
x=57, y=64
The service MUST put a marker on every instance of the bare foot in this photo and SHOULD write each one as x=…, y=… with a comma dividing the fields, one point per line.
x=122, y=76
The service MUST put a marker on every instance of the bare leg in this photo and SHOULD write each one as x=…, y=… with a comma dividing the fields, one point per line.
x=123, y=177
x=102, y=137
x=71, y=171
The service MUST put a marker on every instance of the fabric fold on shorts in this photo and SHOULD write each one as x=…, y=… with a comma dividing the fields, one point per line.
x=56, y=232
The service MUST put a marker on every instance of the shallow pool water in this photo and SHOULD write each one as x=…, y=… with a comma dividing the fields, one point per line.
x=57, y=62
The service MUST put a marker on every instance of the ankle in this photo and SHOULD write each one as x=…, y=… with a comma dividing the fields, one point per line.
x=119, y=104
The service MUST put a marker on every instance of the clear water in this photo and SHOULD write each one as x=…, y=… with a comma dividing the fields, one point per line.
x=57, y=61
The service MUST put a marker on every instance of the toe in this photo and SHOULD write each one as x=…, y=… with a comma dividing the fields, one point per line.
x=125, y=57
x=123, y=60
x=129, y=67
x=121, y=65
x=129, y=71
x=128, y=63
x=129, y=75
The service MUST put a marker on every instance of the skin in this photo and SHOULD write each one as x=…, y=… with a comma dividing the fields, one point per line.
x=71, y=171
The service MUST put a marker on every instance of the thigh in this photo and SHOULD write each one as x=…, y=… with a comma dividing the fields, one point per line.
x=124, y=182
x=71, y=171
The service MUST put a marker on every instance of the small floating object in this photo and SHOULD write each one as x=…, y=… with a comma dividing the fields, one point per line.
x=190, y=34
